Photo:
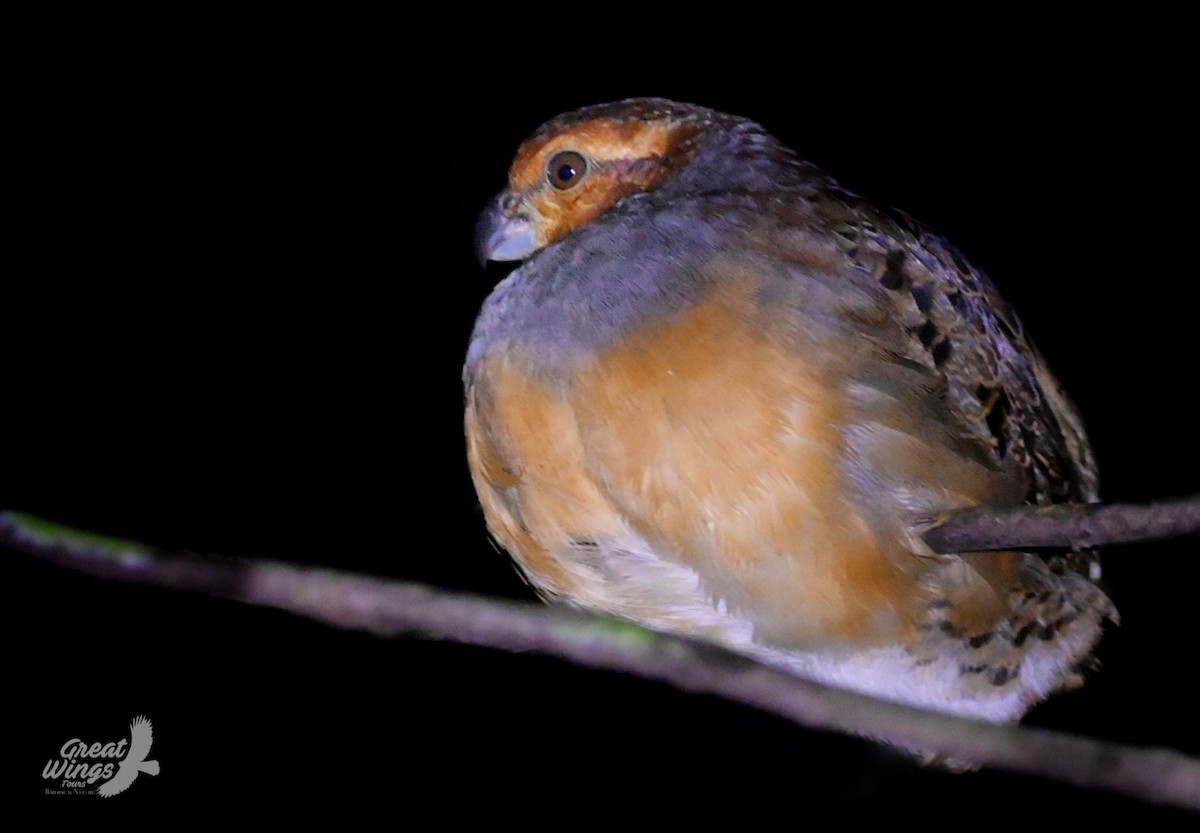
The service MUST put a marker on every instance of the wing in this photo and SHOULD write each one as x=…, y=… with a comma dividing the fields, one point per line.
x=141, y=736
x=948, y=322
x=953, y=321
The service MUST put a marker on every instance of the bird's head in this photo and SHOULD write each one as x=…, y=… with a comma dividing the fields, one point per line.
x=580, y=164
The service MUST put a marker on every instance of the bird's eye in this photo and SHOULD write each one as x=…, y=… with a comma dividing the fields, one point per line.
x=565, y=169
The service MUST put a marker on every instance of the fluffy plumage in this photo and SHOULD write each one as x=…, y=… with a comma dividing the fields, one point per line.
x=723, y=396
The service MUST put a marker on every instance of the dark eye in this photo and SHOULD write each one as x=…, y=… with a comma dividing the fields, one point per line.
x=565, y=169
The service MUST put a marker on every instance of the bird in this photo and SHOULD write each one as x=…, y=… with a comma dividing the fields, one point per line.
x=722, y=397
x=141, y=735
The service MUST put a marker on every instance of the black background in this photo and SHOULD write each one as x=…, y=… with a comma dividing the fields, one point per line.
x=239, y=291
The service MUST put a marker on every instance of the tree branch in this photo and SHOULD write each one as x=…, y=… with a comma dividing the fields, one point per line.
x=393, y=609
x=1073, y=526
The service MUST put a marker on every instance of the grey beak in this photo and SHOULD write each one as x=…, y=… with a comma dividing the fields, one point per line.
x=501, y=234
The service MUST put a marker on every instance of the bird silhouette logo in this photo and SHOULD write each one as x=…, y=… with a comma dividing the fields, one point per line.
x=141, y=735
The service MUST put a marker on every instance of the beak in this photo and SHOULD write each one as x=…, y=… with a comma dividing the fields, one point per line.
x=503, y=232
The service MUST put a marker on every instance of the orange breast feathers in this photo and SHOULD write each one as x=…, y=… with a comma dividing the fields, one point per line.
x=711, y=445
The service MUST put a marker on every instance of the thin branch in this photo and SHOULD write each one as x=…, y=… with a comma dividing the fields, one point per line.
x=1064, y=525
x=393, y=609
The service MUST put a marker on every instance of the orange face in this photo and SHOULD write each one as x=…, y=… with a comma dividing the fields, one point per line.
x=562, y=179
